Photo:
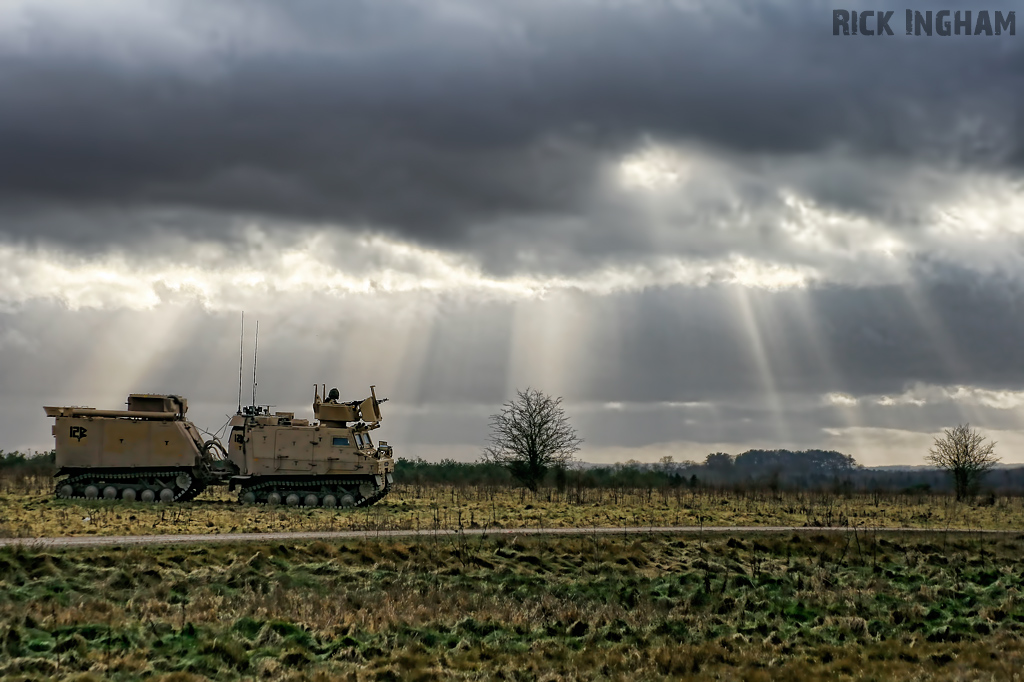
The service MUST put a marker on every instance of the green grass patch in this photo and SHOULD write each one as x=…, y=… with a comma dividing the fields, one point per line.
x=792, y=607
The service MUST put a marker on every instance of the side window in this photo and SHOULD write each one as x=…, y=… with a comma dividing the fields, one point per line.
x=359, y=439
x=338, y=441
x=366, y=441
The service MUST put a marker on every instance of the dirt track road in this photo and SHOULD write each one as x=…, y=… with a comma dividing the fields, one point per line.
x=136, y=540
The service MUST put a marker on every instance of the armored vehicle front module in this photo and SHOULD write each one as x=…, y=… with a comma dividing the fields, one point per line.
x=332, y=462
x=151, y=452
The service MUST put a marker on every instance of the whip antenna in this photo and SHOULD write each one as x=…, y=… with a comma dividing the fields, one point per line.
x=241, y=338
x=255, y=355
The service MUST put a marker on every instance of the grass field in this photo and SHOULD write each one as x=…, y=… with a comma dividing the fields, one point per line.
x=31, y=511
x=745, y=607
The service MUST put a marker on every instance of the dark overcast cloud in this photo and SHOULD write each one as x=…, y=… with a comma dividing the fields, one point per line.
x=217, y=136
x=432, y=120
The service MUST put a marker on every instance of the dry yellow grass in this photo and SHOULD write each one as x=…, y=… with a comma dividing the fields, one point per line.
x=35, y=513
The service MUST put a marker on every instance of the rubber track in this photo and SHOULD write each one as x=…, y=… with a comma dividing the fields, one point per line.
x=83, y=480
x=285, y=486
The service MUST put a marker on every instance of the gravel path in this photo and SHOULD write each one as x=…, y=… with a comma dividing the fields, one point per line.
x=126, y=540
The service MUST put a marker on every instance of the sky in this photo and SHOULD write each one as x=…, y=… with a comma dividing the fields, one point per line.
x=706, y=225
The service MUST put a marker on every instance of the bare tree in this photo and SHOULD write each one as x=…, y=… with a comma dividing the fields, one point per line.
x=531, y=434
x=963, y=452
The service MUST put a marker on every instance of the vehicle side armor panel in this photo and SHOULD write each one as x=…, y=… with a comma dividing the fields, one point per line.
x=84, y=442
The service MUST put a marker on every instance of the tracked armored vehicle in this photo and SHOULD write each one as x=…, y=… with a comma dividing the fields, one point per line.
x=151, y=452
x=331, y=462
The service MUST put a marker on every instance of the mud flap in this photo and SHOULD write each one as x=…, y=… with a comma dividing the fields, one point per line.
x=378, y=480
x=390, y=479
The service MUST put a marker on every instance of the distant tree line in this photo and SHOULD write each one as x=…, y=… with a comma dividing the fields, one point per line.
x=449, y=472
x=19, y=465
x=775, y=468
x=781, y=470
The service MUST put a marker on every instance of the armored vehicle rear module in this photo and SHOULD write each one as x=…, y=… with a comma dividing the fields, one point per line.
x=148, y=452
x=151, y=452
